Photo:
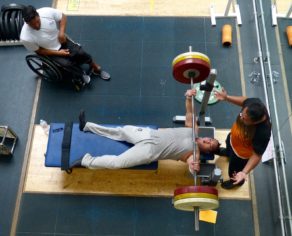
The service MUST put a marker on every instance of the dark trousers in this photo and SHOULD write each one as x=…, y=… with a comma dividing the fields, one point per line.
x=73, y=62
x=236, y=164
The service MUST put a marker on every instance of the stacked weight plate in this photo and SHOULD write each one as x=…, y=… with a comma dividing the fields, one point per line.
x=11, y=22
x=189, y=197
x=191, y=65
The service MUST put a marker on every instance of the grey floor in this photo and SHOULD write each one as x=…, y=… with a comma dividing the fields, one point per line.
x=138, y=52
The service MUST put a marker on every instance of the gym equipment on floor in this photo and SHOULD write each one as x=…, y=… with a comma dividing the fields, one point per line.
x=11, y=23
x=8, y=141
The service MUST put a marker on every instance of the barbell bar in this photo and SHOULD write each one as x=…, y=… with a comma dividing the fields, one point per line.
x=190, y=68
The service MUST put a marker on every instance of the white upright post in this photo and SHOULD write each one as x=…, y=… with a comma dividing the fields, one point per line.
x=213, y=16
x=274, y=14
x=228, y=8
x=289, y=11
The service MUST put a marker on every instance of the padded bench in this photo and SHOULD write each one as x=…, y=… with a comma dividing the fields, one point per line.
x=85, y=142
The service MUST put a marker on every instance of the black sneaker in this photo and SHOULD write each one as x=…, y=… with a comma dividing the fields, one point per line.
x=228, y=184
x=82, y=121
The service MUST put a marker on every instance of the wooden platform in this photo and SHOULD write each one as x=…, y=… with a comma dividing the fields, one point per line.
x=185, y=8
x=169, y=176
x=140, y=7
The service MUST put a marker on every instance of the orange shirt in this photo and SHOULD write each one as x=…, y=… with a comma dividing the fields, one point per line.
x=240, y=144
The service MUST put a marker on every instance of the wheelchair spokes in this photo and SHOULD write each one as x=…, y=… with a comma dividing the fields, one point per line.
x=44, y=68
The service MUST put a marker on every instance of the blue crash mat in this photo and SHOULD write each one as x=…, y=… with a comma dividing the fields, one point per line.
x=82, y=143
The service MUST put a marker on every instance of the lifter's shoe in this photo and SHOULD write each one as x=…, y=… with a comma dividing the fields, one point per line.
x=82, y=121
x=229, y=184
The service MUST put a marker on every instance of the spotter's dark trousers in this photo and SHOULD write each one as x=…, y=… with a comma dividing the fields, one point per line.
x=236, y=164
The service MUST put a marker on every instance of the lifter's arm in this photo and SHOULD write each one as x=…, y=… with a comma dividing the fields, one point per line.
x=194, y=163
x=189, y=111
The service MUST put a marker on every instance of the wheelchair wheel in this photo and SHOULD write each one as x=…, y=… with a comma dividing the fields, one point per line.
x=44, y=68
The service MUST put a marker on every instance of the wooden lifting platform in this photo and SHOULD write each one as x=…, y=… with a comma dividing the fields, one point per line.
x=125, y=182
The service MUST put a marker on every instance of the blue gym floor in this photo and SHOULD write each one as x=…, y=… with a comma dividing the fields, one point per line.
x=138, y=52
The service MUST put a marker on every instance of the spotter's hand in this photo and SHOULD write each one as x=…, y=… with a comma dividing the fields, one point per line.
x=239, y=177
x=220, y=95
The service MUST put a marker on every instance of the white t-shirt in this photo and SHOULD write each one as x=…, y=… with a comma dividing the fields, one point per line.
x=47, y=36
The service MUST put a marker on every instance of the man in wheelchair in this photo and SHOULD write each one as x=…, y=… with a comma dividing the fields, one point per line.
x=44, y=33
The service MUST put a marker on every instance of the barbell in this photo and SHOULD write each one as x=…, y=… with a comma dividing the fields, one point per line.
x=190, y=68
x=190, y=197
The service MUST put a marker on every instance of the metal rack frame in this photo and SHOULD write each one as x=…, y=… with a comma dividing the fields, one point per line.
x=227, y=13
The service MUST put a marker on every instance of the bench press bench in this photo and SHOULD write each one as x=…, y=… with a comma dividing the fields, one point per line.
x=79, y=143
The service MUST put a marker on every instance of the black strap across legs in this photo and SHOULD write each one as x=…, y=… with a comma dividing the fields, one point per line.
x=66, y=146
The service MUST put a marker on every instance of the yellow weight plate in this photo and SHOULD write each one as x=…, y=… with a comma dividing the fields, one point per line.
x=189, y=204
x=195, y=195
x=187, y=55
x=190, y=55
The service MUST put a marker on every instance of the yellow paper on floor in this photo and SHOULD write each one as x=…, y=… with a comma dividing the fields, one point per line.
x=208, y=216
x=73, y=5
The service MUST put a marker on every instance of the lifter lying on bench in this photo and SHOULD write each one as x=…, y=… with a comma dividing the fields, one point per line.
x=149, y=145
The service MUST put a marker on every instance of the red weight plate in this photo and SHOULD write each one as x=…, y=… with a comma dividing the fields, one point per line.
x=196, y=189
x=199, y=67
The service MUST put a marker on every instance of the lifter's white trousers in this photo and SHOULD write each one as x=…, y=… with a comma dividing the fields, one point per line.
x=140, y=153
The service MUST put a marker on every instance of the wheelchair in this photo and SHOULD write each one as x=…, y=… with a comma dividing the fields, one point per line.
x=51, y=71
